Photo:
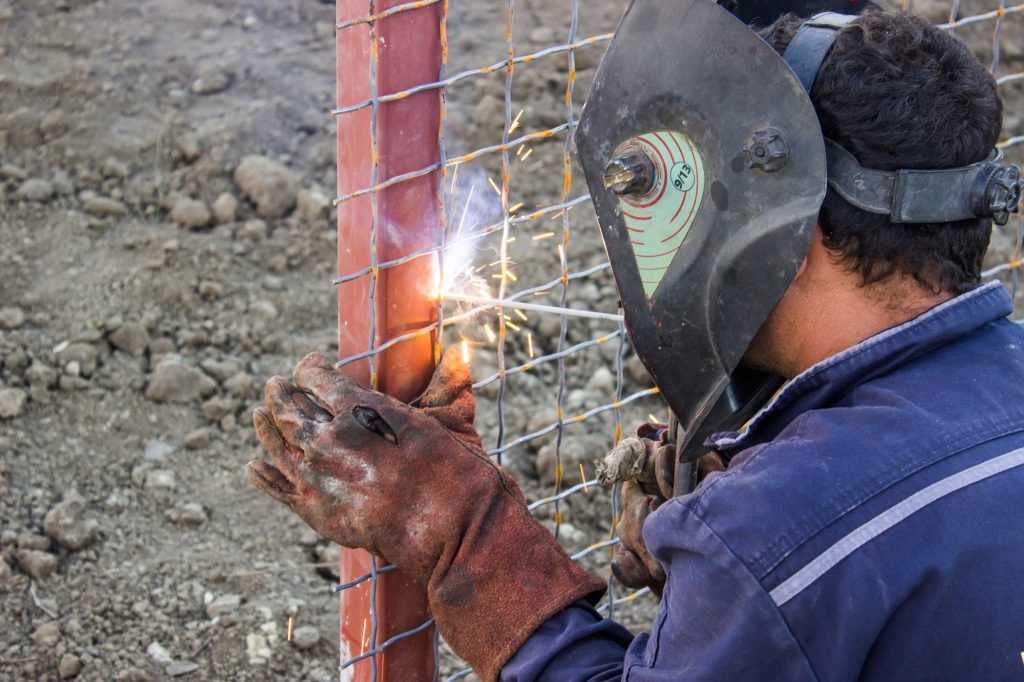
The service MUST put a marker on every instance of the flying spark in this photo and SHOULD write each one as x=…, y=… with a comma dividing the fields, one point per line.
x=515, y=123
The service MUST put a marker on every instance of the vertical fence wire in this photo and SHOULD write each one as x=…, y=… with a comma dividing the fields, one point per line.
x=512, y=360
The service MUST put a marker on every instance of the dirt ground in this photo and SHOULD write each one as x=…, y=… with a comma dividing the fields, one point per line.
x=166, y=245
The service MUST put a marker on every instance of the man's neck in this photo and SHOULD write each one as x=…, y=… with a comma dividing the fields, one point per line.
x=827, y=310
x=846, y=316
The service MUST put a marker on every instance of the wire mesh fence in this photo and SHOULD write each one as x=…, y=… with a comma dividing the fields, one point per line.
x=521, y=286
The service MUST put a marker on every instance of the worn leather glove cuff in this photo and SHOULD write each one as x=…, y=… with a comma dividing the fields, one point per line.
x=507, y=576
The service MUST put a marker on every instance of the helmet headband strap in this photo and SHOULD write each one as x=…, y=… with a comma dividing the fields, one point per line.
x=986, y=189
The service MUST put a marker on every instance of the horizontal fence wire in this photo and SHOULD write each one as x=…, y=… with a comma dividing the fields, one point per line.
x=513, y=222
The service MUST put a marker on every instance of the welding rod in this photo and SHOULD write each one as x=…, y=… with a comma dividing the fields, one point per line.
x=555, y=310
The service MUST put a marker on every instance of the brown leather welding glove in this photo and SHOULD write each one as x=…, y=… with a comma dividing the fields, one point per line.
x=413, y=485
x=645, y=465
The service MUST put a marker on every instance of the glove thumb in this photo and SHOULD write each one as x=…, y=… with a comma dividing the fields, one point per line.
x=449, y=397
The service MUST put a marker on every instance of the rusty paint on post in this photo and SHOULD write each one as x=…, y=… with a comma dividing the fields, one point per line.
x=408, y=53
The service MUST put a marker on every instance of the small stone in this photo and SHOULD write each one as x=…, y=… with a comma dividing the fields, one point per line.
x=156, y=451
x=69, y=666
x=179, y=668
x=103, y=207
x=311, y=204
x=271, y=186
x=65, y=523
x=190, y=213
x=487, y=112
x=638, y=372
x=12, y=402
x=38, y=564
x=602, y=381
x=193, y=338
x=309, y=537
x=225, y=208
x=224, y=605
x=117, y=501
x=175, y=381
x=159, y=479
x=210, y=291
x=5, y=570
x=311, y=120
x=41, y=375
x=35, y=189
x=264, y=309
x=257, y=648
x=158, y=654
x=210, y=80
x=62, y=183
x=218, y=407
x=27, y=540
x=199, y=438
x=574, y=451
x=239, y=384
x=73, y=368
x=11, y=317
x=160, y=347
x=70, y=383
x=53, y=124
x=47, y=635
x=130, y=337
x=115, y=168
x=85, y=354
x=221, y=369
x=189, y=514
x=542, y=34
x=305, y=637
x=9, y=171
x=254, y=231
x=188, y=145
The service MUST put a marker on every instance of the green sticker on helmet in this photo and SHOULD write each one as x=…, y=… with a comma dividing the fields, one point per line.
x=659, y=220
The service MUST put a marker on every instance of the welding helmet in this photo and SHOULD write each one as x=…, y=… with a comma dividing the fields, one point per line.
x=707, y=167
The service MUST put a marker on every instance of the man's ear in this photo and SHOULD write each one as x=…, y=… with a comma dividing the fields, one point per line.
x=449, y=397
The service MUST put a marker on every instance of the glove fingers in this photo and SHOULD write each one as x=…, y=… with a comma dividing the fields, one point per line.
x=270, y=478
x=317, y=375
x=665, y=470
x=296, y=416
x=636, y=507
x=629, y=570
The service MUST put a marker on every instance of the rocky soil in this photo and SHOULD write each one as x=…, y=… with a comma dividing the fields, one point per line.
x=166, y=245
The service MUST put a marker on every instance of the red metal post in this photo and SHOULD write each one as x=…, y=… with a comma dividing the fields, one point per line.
x=406, y=219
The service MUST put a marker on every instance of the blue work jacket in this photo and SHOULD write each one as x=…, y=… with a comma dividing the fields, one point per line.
x=870, y=526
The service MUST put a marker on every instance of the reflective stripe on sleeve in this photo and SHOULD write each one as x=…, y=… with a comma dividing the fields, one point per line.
x=803, y=578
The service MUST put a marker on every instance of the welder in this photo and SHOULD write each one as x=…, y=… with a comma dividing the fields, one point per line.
x=796, y=220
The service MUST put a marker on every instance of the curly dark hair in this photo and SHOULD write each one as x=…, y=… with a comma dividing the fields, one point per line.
x=899, y=93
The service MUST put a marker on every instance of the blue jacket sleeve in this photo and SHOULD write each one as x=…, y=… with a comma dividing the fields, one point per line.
x=716, y=622
x=576, y=644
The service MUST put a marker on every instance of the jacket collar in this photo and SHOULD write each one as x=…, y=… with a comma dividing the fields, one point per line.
x=826, y=381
